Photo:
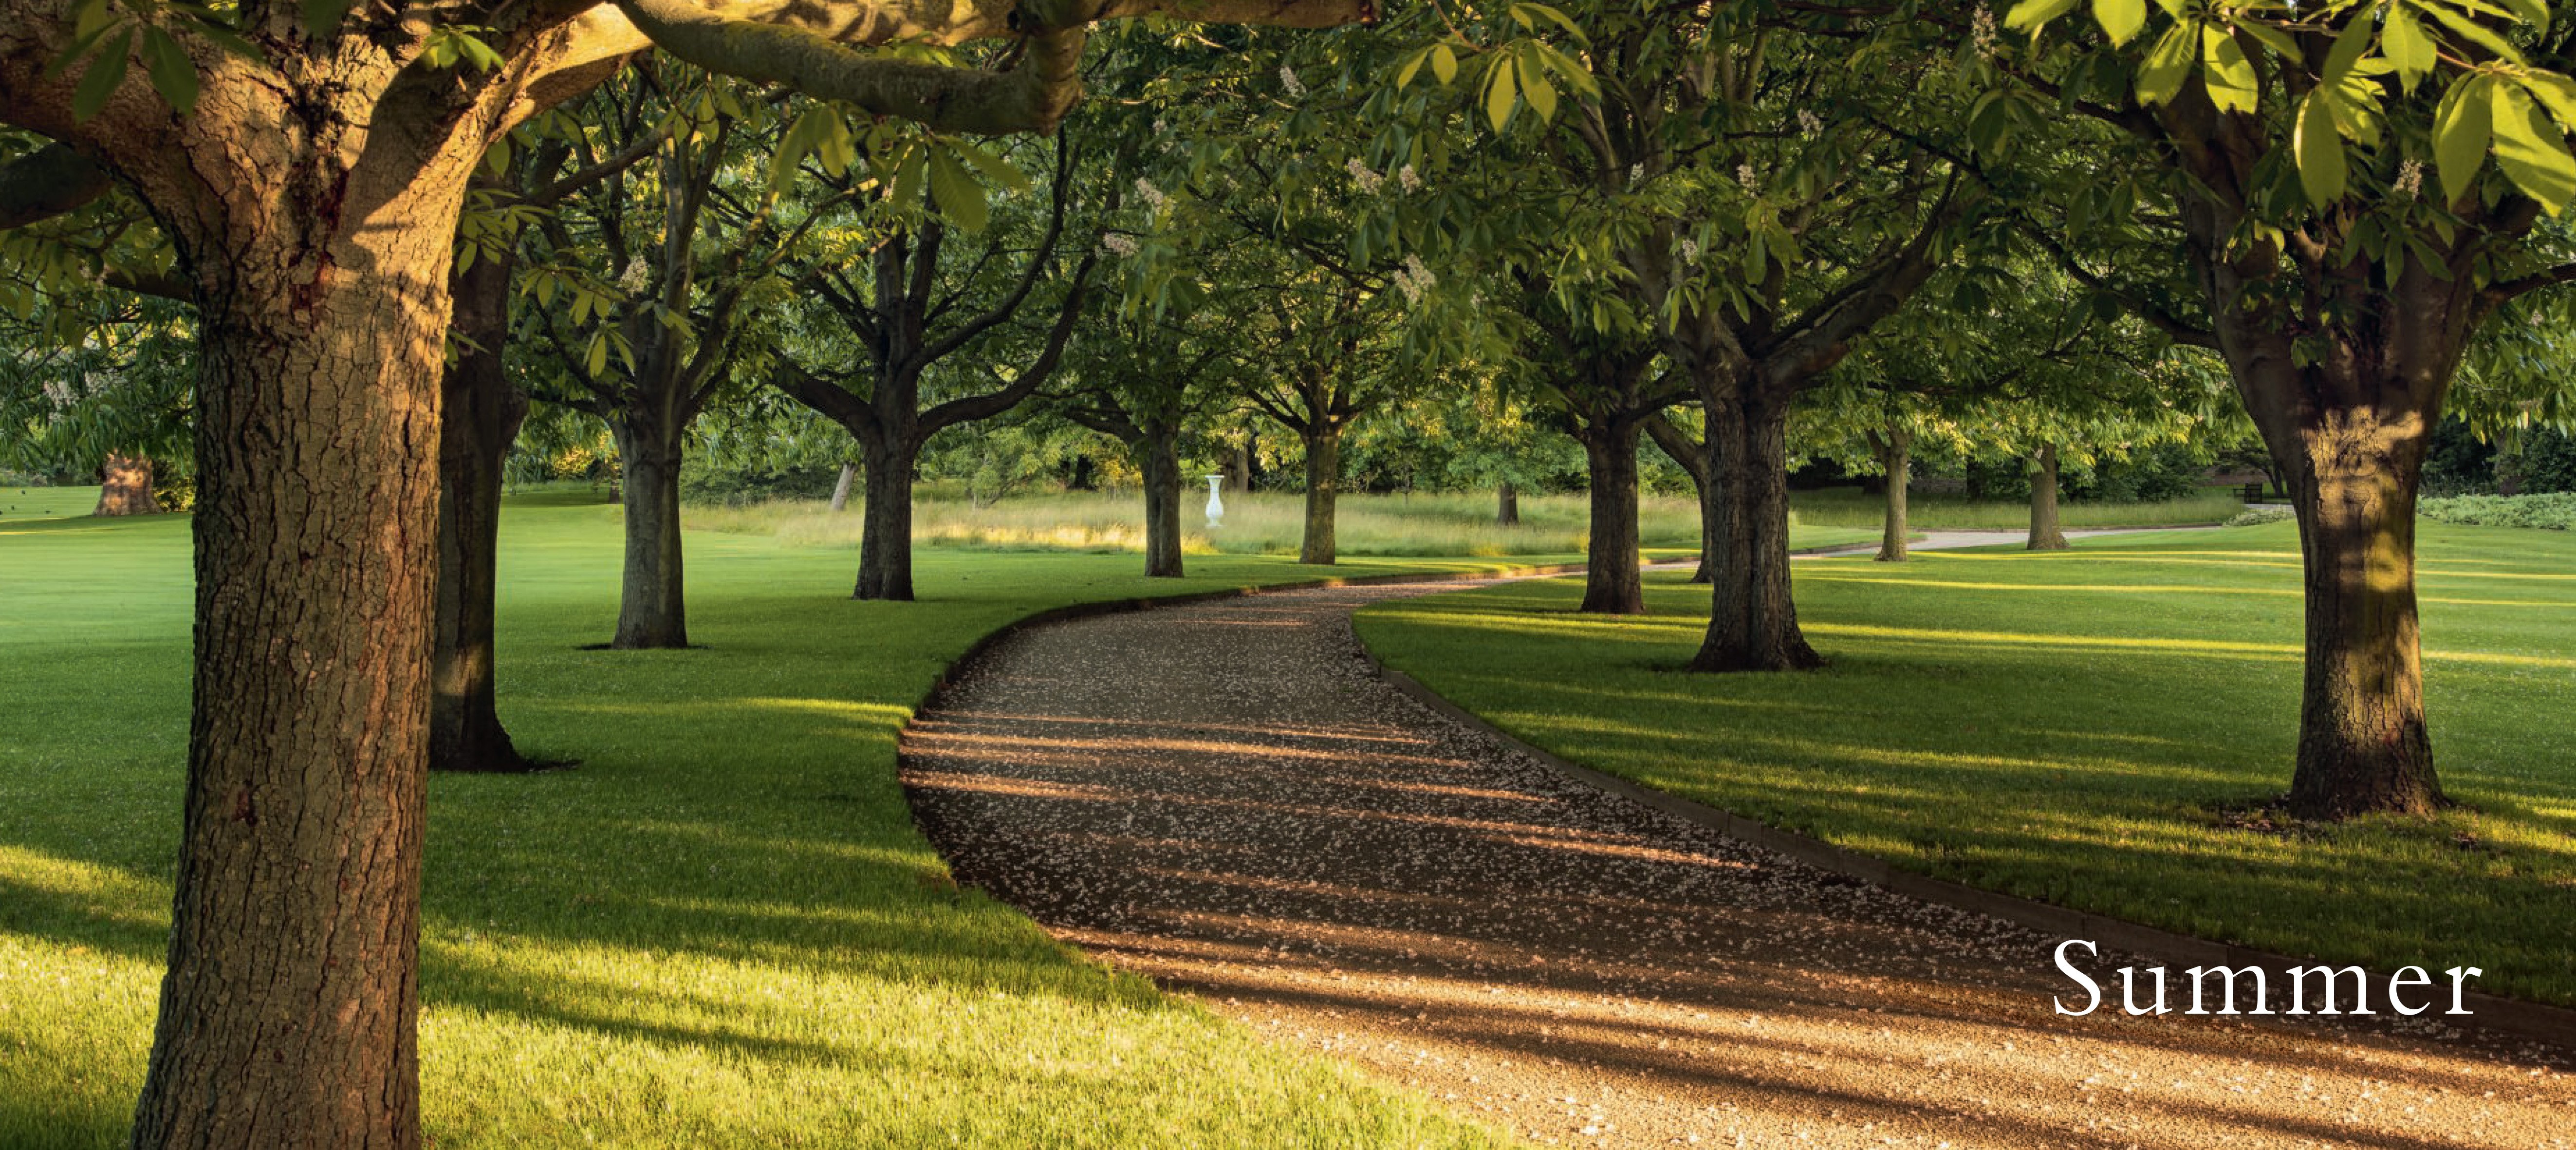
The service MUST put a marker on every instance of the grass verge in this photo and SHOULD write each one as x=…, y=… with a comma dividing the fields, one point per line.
x=2076, y=727
x=722, y=930
x=1849, y=507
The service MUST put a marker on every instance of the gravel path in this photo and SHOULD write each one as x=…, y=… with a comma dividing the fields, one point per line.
x=1225, y=798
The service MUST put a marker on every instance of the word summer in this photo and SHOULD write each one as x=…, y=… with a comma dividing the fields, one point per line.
x=2333, y=988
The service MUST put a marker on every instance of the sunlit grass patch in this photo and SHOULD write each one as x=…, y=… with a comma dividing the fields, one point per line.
x=2004, y=719
x=721, y=930
x=1932, y=511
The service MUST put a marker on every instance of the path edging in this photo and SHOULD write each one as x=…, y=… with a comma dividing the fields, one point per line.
x=2492, y=1013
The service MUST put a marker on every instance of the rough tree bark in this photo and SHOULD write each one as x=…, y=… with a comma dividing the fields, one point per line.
x=1323, y=484
x=1159, y=457
x=1239, y=464
x=1612, y=582
x=652, y=598
x=1507, y=505
x=2045, y=534
x=885, y=533
x=483, y=413
x=126, y=487
x=1753, y=623
x=1895, y=448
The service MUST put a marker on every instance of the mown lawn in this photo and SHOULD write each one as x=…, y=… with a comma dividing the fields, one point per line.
x=23, y=503
x=1849, y=507
x=720, y=930
x=2071, y=727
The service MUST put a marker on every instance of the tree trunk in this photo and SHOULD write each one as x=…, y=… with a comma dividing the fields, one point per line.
x=1692, y=458
x=1323, y=483
x=1611, y=581
x=1753, y=621
x=288, y=1015
x=841, y=488
x=1896, y=455
x=1507, y=506
x=652, y=605
x=2363, y=745
x=2045, y=534
x=885, y=539
x=482, y=418
x=126, y=487
x=1159, y=456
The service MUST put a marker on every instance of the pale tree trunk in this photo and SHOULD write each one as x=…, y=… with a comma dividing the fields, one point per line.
x=1323, y=484
x=1159, y=457
x=1896, y=455
x=482, y=418
x=2045, y=534
x=841, y=488
x=287, y=1018
x=1507, y=506
x=652, y=602
x=885, y=538
x=1753, y=621
x=126, y=487
x=1612, y=584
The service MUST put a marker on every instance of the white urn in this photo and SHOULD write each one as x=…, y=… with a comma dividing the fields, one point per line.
x=1216, y=502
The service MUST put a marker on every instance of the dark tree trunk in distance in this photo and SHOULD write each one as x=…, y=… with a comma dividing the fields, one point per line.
x=1507, y=506
x=482, y=418
x=1323, y=484
x=841, y=487
x=1239, y=464
x=1612, y=583
x=652, y=603
x=1159, y=458
x=1692, y=457
x=126, y=487
x=1895, y=454
x=2045, y=534
x=885, y=538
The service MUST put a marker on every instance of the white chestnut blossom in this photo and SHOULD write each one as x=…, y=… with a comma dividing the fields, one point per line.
x=1810, y=123
x=1119, y=244
x=1368, y=181
x=1981, y=31
x=2410, y=178
x=1413, y=279
x=1288, y=82
x=1406, y=178
x=1745, y=175
x=1154, y=196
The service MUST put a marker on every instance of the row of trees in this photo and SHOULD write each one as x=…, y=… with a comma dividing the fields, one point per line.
x=1707, y=228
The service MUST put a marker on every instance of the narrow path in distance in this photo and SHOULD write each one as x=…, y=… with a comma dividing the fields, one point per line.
x=1225, y=797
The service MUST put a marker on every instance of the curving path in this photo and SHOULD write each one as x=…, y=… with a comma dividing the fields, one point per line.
x=1224, y=797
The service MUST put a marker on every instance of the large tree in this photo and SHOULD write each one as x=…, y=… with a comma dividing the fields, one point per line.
x=311, y=181
x=2318, y=175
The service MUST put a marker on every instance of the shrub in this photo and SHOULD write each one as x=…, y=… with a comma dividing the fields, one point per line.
x=2253, y=516
x=2553, y=512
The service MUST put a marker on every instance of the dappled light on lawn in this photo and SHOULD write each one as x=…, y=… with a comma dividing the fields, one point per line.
x=2124, y=728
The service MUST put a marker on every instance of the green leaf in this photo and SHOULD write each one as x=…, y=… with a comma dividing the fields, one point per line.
x=2403, y=41
x=2532, y=149
x=1444, y=64
x=1500, y=96
x=2121, y=19
x=1412, y=65
x=1534, y=85
x=2460, y=136
x=595, y=360
x=2475, y=33
x=2168, y=64
x=960, y=198
x=2349, y=47
x=909, y=168
x=2319, y=148
x=106, y=71
x=174, y=75
x=2272, y=38
x=2030, y=15
x=2226, y=71
x=994, y=167
x=2555, y=92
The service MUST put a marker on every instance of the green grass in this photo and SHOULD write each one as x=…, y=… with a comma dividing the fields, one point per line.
x=2066, y=727
x=1929, y=511
x=721, y=930
x=1264, y=523
x=18, y=504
